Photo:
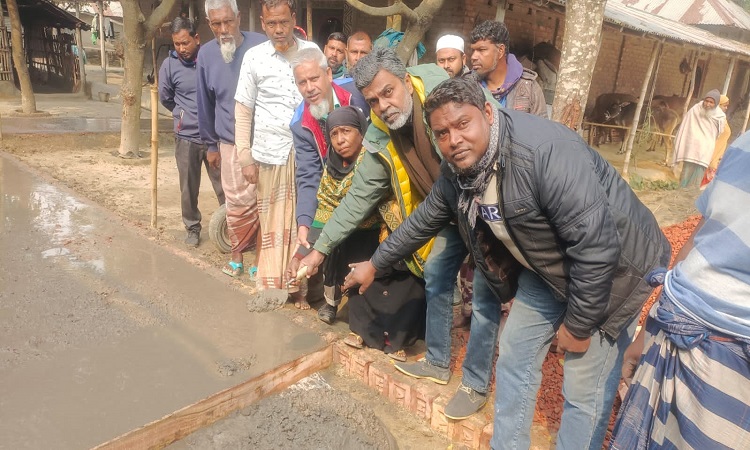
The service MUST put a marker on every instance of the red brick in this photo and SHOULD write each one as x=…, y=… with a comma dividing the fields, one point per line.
x=422, y=397
x=342, y=356
x=379, y=377
x=400, y=390
x=439, y=422
x=468, y=432
x=484, y=441
x=360, y=366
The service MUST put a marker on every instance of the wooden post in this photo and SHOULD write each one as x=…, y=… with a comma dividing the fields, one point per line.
x=393, y=21
x=619, y=63
x=639, y=107
x=729, y=75
x=689, y=96
x=652, y=87
x=500, y=11
x=747, y=115
x=309, y=20
x=102, y=50
x=81, y=64
x=154, y=133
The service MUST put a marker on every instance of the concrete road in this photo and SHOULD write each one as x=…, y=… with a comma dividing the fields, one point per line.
x=102, y=330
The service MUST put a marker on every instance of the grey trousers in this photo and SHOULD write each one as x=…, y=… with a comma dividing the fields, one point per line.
x=190, y=157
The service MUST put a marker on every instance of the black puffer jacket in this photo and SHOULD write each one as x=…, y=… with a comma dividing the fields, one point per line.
x=575, y=220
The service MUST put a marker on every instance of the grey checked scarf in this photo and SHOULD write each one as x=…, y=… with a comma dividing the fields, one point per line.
x=474, y=181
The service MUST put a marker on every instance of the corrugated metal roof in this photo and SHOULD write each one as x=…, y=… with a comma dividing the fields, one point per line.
x=46, y=12
x=638, y=20
x=695, y=12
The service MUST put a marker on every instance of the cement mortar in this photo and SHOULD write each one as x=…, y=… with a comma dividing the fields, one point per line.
x=308, y=415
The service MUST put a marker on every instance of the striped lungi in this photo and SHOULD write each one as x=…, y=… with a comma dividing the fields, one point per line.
x=276, y=207
x=241, y=204
x=691, y=389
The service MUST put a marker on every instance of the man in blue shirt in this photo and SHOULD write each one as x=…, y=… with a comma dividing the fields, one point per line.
x=218, y=68
x=177, y=92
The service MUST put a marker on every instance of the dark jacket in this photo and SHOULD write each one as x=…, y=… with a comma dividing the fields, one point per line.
x=310, y=148
x=520, y=90
x=177, y=92
x=575, y=220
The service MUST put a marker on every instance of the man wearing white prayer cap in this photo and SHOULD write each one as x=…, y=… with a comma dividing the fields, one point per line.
x=449, y=52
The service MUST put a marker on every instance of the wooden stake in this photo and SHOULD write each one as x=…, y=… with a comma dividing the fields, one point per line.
x=154, y=134
x=639, y=107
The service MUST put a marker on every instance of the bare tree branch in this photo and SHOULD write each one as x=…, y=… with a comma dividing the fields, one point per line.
x=398, y=8
x=157, y=17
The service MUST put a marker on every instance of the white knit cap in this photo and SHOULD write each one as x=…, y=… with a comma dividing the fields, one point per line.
x=450, y=41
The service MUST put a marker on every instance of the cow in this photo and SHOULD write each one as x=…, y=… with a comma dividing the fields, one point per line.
x=665, y=120
x=598, y=113
x=621, y=114
x=674, y=102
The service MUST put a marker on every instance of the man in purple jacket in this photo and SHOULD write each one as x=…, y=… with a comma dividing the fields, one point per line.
x=219, y=64
x=177, y=92
x=321, y=94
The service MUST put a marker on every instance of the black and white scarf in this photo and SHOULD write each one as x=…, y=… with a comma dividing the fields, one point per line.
x=474, y=183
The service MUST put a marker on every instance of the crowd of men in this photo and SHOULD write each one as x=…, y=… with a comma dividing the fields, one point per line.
x=458, y=159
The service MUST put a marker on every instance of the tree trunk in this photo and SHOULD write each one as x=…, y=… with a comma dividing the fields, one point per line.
x=134, y=42
x=583, y=32
x=137, y=30
x=28, y=102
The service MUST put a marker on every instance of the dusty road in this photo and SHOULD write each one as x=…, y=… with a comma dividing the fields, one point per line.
x=103, y=330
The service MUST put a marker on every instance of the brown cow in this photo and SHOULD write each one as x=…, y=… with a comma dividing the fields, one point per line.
x=666, y=121
x=675, y=103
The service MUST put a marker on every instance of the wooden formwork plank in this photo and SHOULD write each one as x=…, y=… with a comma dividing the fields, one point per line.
x=172, y=427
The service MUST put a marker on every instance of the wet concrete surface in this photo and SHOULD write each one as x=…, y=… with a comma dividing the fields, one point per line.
x=103, y=331
x=309, y=415
x=52, y=125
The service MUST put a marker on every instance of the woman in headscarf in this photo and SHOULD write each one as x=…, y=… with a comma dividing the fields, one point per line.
x=721, y=145
x=391, y=315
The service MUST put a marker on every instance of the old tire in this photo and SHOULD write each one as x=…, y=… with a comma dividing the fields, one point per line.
x=217, y=230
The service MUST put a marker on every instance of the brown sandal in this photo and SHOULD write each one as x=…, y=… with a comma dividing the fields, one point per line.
x=399, y=356
x=354, y=340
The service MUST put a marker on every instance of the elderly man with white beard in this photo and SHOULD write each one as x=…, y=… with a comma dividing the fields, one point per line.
x=219, y=63
x=696, y=139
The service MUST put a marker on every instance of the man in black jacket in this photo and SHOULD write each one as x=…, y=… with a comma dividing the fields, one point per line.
x=552, y=224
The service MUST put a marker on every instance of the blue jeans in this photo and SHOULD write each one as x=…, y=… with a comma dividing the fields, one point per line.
x=441, y=269
x=589, y=384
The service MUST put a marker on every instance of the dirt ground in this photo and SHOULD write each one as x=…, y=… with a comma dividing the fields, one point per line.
x=323, y=411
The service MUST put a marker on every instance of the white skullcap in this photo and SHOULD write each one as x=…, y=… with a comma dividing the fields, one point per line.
x=450, y=41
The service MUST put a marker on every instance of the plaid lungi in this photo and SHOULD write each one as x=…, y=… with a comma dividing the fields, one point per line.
x=691, y=389
x=276, y=207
